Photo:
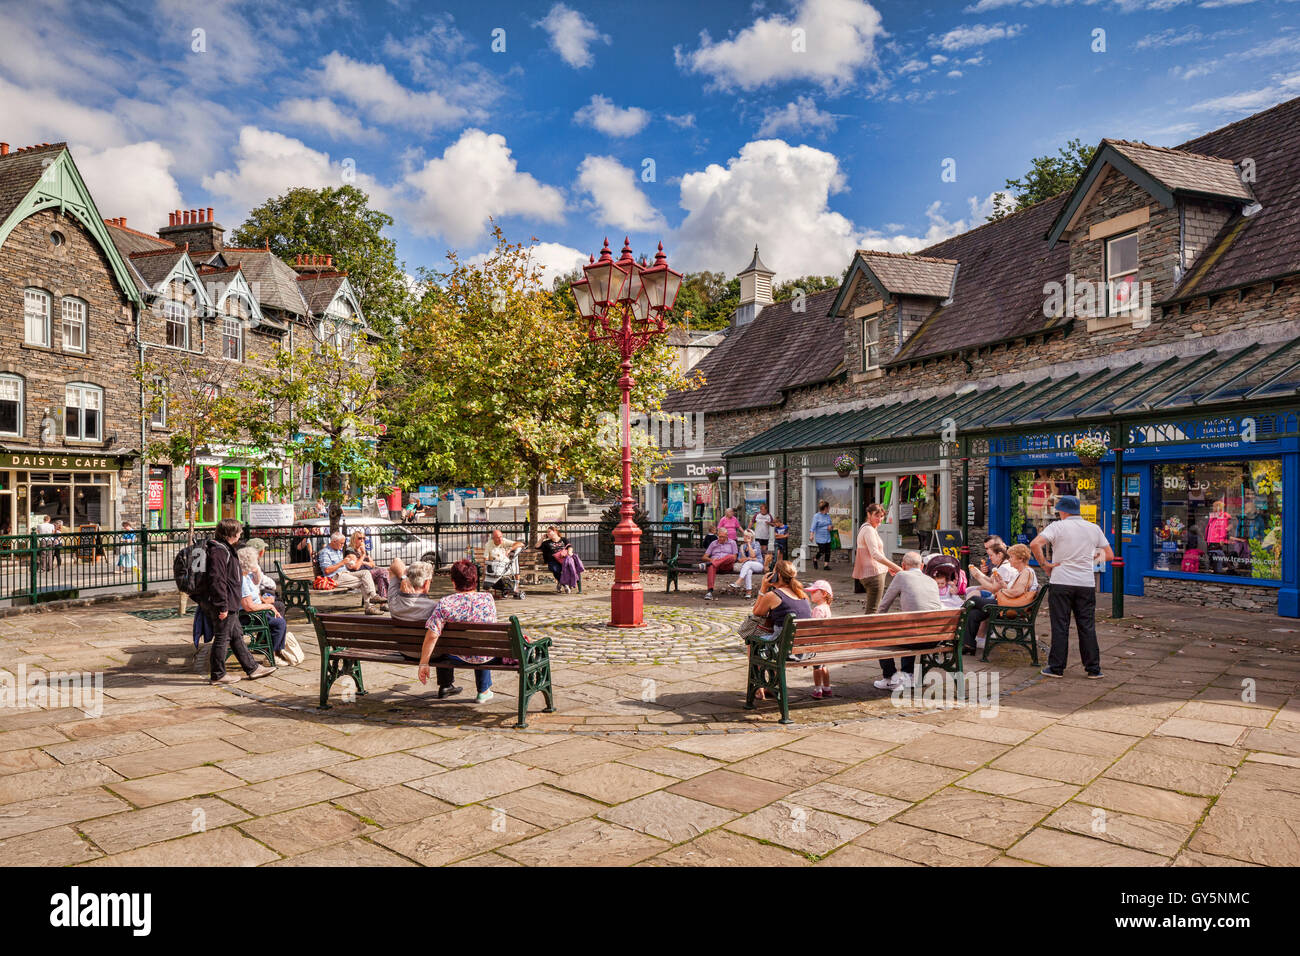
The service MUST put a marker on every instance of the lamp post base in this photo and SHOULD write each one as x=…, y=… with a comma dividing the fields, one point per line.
x=626, y=598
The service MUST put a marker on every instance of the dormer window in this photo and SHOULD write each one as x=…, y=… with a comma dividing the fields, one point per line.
x=870, y=343
x=1121, y=274
x=177, y=315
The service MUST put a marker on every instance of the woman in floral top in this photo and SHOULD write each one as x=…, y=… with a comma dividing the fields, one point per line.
x=465, y=604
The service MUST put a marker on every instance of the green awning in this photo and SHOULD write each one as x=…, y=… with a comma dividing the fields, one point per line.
x=1262, y=377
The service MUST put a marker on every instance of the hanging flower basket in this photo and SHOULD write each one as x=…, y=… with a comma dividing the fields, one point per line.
x=713, y=473
x=1090, y=450
x=844, y=465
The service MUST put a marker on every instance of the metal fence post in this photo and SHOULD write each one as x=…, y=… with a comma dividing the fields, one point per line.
x=31, y=569
x=144, y=558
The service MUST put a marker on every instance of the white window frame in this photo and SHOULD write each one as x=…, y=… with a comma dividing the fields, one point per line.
x=81, y=390
x=79, y=321
x=1134, y=303
x=158, y=418
x=228, y=323
x=173, y=309
x=870, y=340
x=22, y=402
x=31, y=297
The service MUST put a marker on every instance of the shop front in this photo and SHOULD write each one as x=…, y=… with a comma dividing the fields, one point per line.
x=79, y=490
x=684, y=492
x=1215, y=515
x=227, y=490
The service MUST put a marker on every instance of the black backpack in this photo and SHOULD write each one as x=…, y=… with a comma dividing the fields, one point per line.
x=190, y=569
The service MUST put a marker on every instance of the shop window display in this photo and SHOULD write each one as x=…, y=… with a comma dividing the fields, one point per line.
x=1035, y=491
x=1219, y=518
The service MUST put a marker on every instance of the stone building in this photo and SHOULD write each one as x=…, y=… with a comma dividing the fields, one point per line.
x=89, y=300
x=1153, y=308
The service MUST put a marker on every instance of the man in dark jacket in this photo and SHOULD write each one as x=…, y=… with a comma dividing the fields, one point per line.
x=221, y=604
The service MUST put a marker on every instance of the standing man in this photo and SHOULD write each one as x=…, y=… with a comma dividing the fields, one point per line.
x=820, y=534
x=870, y=565
x=221, y=602
x=912, y=590
x=1075, y=543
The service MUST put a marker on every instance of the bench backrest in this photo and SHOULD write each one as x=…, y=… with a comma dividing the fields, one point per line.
x=867, y=631
x=290, y=572
x=687, y=556
x=527, y=557
x=371, y=632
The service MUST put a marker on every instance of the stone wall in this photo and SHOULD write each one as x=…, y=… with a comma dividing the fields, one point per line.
x=1212, y=594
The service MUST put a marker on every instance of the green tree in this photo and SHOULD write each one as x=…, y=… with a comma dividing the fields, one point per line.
x=318, y=402
x=337, y=221
x=201, y=402
x=499, y=384
x=1047, y=176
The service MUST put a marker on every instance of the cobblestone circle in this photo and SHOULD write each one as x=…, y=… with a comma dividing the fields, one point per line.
x=671, y=635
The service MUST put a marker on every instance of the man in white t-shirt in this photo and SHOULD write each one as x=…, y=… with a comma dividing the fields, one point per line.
x=761, y=525
x=1075, y=544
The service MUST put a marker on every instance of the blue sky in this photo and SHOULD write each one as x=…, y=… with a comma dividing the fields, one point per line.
x=810, y=127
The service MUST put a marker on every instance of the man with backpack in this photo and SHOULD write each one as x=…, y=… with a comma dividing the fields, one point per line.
x=220, y=601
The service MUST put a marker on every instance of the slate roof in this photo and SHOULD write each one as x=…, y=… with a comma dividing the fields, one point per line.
x=1266, y=244
x=911, y=275
x=1182, y=171
x=19, y=172
x=128, y=240
x=273, y=282
x=780, y=349
x=155, y=266
x=320, y=289
x=999, y=291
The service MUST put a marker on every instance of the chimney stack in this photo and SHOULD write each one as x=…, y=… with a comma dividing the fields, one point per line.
x=196, y=228
x=4, y=149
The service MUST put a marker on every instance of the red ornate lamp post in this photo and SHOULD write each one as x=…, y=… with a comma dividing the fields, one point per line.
x=623, y=302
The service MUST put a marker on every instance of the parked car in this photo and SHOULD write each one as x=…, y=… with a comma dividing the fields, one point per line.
x=385, y=539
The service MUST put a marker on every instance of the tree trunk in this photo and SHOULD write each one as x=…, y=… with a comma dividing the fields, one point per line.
x=333, y=484
x=534, y=491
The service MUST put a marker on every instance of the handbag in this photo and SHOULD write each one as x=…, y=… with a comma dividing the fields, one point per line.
x=292, y=650
x=323, y=583
x=753, y=625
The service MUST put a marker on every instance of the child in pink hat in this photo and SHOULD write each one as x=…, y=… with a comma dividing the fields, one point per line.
x=820, y=596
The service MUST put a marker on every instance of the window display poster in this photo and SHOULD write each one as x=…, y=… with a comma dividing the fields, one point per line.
x=1221, y=518
x=839, y=493
x=675, y=507
x=755, y=495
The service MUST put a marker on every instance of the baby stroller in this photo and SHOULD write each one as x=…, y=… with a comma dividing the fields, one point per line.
x=503, y=576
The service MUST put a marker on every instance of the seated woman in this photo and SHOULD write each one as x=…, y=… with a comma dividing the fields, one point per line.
x=748, y=560
x=250, y=598
x=563, y=561
x=1023, y=587
x=780, y=596
x=360, y=562
x=464, y=604
x=300, y=549
x=997, y=571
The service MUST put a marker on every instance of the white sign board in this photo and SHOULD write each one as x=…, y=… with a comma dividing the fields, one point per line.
x=266, y=515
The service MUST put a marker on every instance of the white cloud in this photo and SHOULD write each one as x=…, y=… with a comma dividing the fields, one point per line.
x=975, y=34
x=615, y=198
x=938, y=228
x=41, y=116
x=773, y=194
x=824, y=42
x=476, y=178
x=685, y=121
x=800, y=117
x=269, y=163
x=571, y=35
x=324, y=115
x=601, y=114
x=913, y=66
x=133, y=181
x=372, y=89
x=1281, y=87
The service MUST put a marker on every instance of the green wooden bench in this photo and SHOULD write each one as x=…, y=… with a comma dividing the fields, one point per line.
x=934, y=636
x=295, y=584
x=1014, y=625
x=348, y=639
x=257, y=635
x=683, y=561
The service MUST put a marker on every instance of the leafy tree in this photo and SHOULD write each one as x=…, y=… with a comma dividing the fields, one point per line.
x=1047, y=176
x=337, y=221
x=318, y=402
x=499, y=384
x=202, y=402
x=807, y=284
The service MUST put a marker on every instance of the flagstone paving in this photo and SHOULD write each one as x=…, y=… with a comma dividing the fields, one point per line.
x=1187, y=753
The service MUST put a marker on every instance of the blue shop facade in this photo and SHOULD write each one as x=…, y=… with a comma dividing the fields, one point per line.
x=1213, y=503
